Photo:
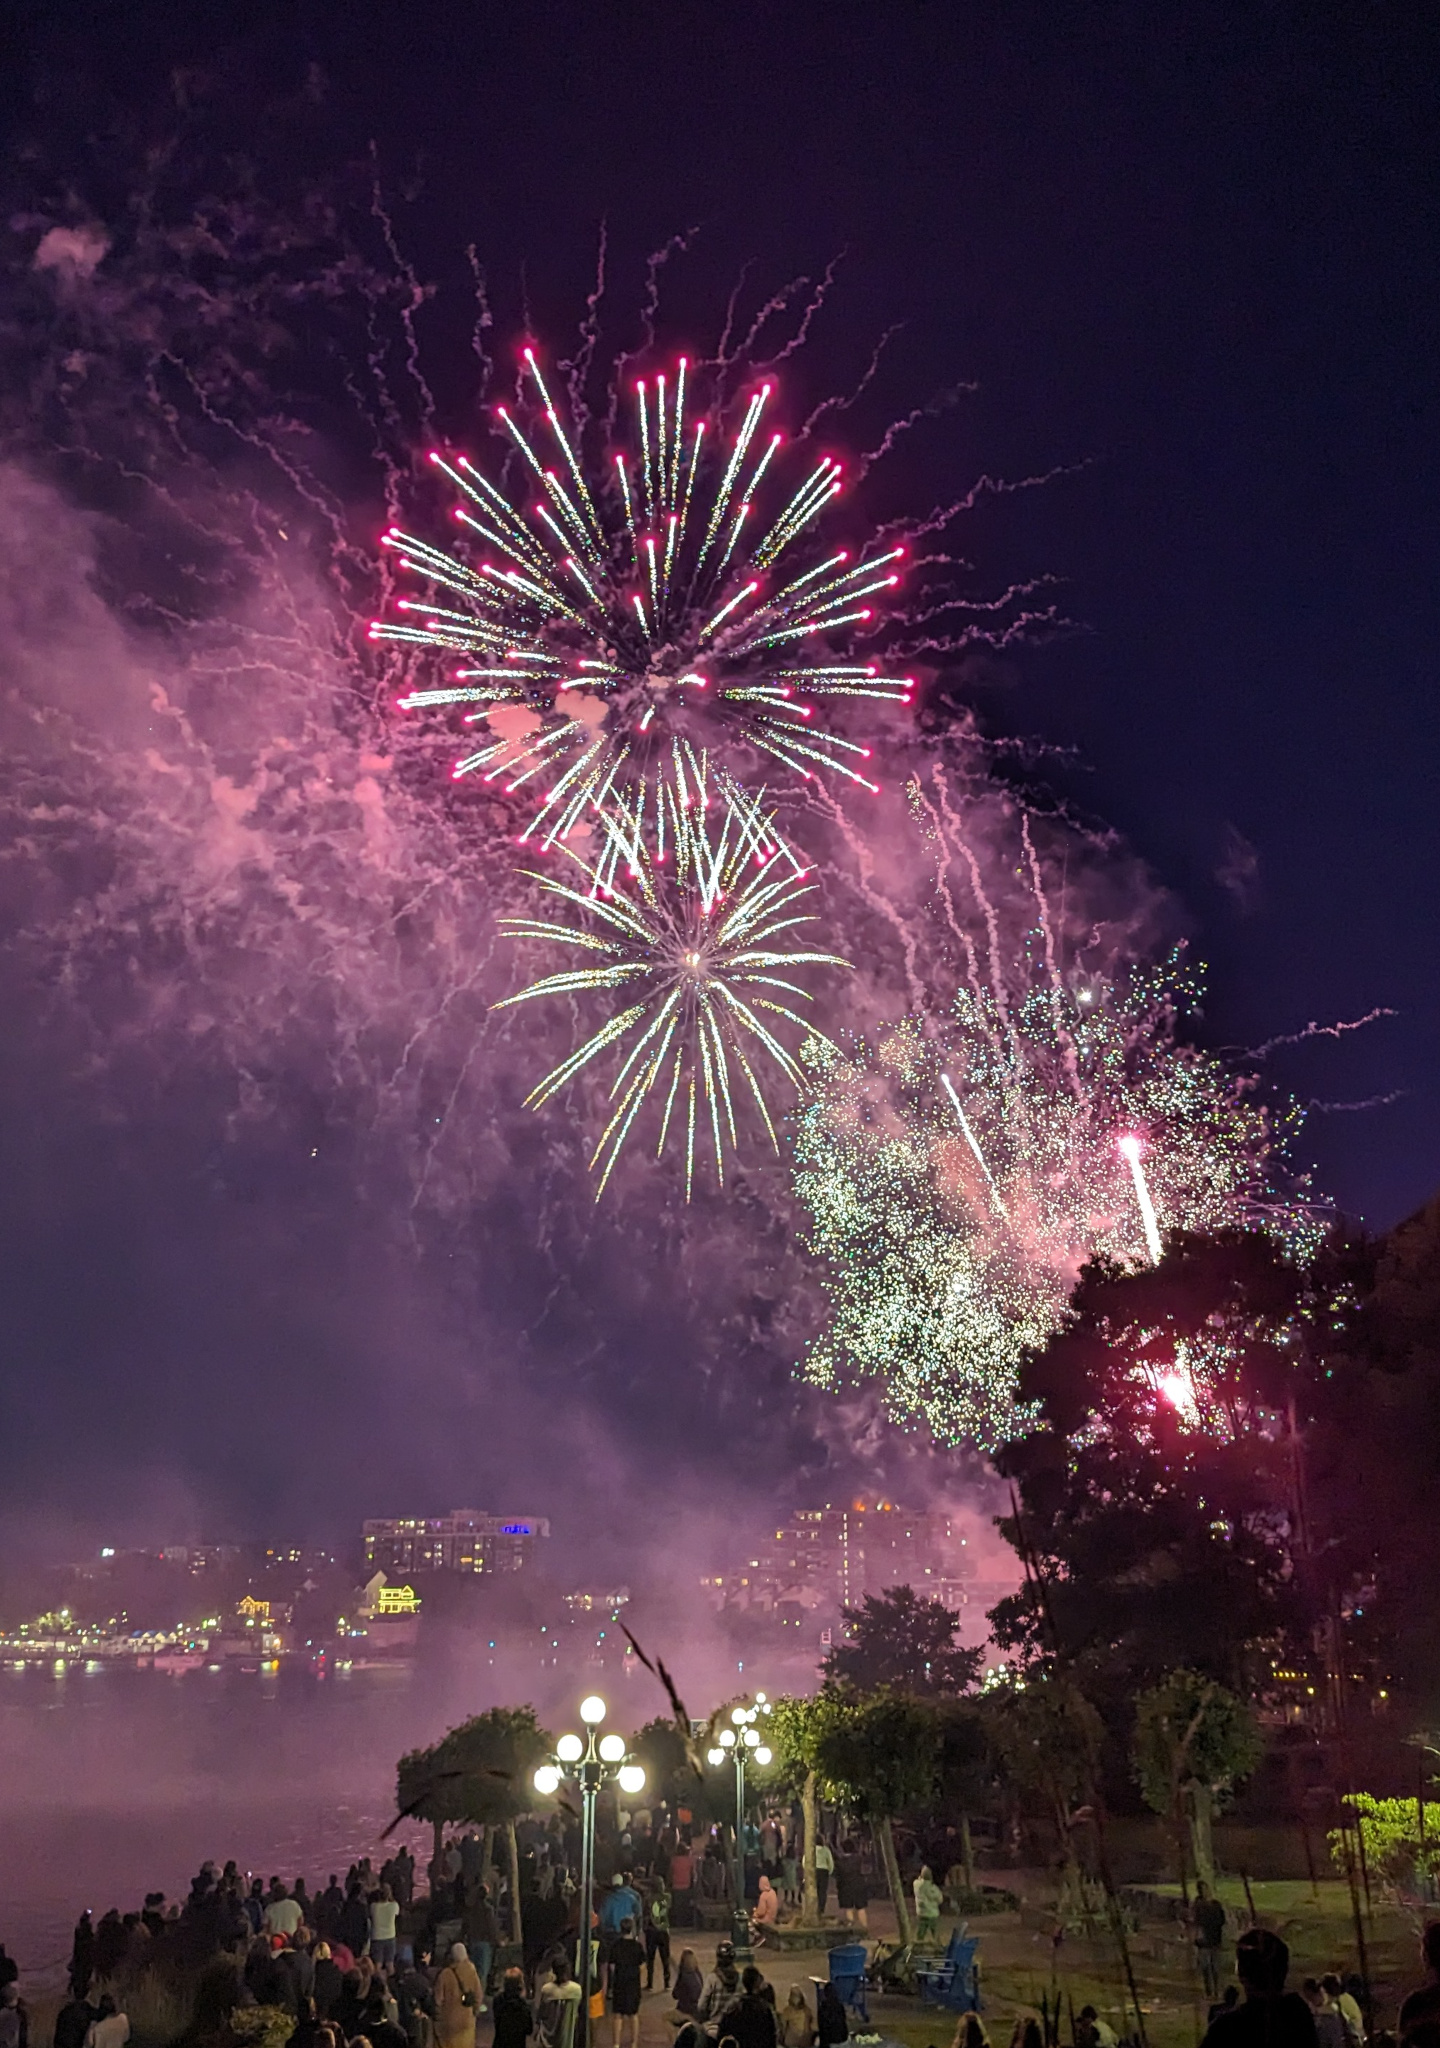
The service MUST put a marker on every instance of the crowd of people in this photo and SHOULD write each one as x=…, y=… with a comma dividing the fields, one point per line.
x=369, y=1963
x=375, y=1961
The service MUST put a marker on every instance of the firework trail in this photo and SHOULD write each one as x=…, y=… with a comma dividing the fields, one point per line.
x=643, y=605
x=689, y=925
x=1132, y=1150
x=959, y=1173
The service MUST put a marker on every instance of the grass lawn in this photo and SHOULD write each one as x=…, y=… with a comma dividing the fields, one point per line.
x=1019, y=1964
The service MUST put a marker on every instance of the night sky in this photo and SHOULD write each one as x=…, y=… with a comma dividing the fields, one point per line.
x=1186, y=254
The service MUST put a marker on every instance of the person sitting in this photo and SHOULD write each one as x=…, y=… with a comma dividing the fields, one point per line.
x=1093, y=2032
x=750, y=2022
x=831, y=2025
x=767, y=1910
x=797, y=2022
x=1348, y=2007
x=1329, y=2027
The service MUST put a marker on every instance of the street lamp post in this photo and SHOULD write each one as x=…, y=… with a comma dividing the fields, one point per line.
x=741, y=1742
x=589, y=1761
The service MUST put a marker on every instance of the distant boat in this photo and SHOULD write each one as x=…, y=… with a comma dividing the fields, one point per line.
x=181, y=1660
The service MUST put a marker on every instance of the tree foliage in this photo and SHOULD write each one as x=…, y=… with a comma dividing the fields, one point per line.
x=1190, y=1729
x=670, y=1775
x=899, y=1640
x=877, y=1753
x=1047, y=1738
x=1394, y=1851
x=1194, y=1741
x=1159, y=1543
x=480, y=1772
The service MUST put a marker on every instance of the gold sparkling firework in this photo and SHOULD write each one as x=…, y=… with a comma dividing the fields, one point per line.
x=958, y=1176
x=606, y=618
x=688, y=911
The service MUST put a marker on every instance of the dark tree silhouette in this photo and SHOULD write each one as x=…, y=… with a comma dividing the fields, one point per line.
x=899, y=1640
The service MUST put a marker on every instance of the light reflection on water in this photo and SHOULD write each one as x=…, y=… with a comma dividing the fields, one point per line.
x=117, y=1780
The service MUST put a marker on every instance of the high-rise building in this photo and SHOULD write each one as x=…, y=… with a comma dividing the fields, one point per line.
x=824, y=1559
x=465, y=1540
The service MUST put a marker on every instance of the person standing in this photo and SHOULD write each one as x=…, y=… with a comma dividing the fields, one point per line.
x=384, y=1919
x=1208, y=1919
x=329, y=1981
x=282, y=1913
x=824, y=1870
x=620, y=1903
x=457, y=2000
x=657, y=1934
x=328, y=1908
x=82, y=1955
x=851, y=1893
x=73, y=2022
x=682, y=1878
x=514, y=2022
x=928, y=1900
x=559, y=2007
x=626, y=1961
x=482, y=1935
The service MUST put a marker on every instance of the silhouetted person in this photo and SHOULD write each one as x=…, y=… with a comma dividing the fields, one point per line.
x=689, y=1983
x=1423, y=2006
x=82, y=1955
x=329, y=1981
x=750, y=2021
x=262, y=1974
x=376, y=2024
x=310, y=2031
x=350, y=2005
x=831, y=2025
x=1207, y=1916
x=354, y=1929
x=111, y=1943
x=625, y=1962
x=328, y=1908
x=73, y=2022
x=514, y=2021
x=1269, y=2016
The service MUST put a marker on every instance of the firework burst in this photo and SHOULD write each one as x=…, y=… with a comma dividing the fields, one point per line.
x=958, y=1177
x=689, y=909
x=610, y=617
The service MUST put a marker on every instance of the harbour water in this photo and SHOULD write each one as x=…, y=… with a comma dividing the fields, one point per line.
x=116, y=1780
